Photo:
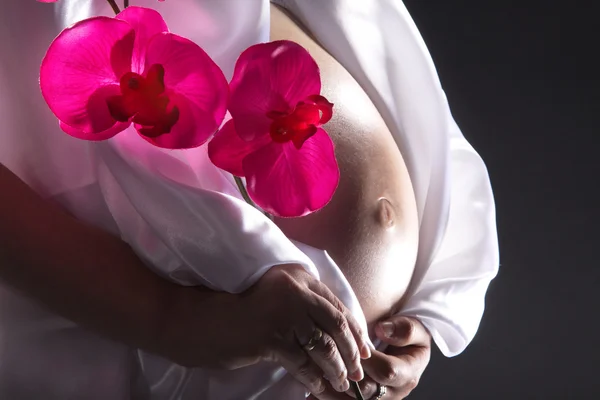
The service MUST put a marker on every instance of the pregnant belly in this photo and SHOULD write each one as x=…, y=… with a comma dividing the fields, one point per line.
x=370, y=228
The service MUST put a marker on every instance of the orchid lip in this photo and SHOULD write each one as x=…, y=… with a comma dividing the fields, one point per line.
x=143, y=101
x=302, y=122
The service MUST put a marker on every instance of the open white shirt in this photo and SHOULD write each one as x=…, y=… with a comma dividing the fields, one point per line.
x=186, y=219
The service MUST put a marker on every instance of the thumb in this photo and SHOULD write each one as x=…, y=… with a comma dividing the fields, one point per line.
x=401, y=331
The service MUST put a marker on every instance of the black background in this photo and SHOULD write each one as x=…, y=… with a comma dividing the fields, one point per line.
x=522, y=81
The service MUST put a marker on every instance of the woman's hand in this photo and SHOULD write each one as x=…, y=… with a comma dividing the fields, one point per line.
x=400, y=368
x=293, y=304
x=271, y=321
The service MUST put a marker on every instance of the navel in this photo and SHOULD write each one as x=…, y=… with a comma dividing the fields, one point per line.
x=385, y=214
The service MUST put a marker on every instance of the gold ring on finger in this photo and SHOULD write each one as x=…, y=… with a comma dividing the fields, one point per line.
x=312, y=343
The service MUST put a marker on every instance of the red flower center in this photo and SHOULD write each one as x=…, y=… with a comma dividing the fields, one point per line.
x=302, y=122
x=143, y=101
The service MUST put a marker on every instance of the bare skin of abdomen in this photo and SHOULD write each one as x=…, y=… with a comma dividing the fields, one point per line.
x=370, y=227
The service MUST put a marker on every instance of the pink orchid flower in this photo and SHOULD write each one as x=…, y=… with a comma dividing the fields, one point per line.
x=274, y=138
x=103, y=74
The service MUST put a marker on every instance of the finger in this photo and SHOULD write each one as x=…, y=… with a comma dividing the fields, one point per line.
x=361, y=338
x=325, y=354
x=402, y=331
x=416, y=358
x=333, y=322
x=368, y=388
x=401, y=368
x=329, y=394
x=304, y=331
x=296, y=362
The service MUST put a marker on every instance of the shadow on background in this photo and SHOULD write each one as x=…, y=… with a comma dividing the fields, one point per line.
x=522, y=81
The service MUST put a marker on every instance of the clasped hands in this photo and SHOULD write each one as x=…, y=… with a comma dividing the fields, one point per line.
x=399, y=368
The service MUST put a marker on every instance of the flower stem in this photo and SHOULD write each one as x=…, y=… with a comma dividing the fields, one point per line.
x=357, y=392
x=125, y=4
x=246, y=196
x=242, y=189
x=114, y=6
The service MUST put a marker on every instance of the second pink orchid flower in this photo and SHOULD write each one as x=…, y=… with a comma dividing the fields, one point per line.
x=275, y=139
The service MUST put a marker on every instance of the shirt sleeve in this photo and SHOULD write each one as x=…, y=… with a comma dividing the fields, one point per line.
x=450, y=298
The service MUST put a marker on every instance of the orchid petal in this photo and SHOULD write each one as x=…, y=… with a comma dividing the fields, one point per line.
x=324, y=106
x=82, y=69
x=107, y=134
x=227, y=150
x=270, y=77
x=146, y=23
x=195, y=84
x=290, y=182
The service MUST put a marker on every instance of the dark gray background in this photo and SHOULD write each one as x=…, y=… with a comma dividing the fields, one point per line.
x=522, y=81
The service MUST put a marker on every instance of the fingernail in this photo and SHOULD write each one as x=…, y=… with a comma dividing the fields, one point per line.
x=357, y=375
x=365, y=352
x=345, y=385
x=320, y=386
x=387, y=328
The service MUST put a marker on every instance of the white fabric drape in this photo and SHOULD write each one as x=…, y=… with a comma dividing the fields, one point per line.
x=209, y=236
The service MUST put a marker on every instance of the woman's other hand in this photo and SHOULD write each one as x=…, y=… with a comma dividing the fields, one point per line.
x=399, y=368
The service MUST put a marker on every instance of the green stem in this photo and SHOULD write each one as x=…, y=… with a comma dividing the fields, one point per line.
x=114, y=6
x=244, y=192
x=125, y=4
x=242, y=189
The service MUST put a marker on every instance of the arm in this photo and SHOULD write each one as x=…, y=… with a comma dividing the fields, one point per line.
x=82, y=273
x=96, y=280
